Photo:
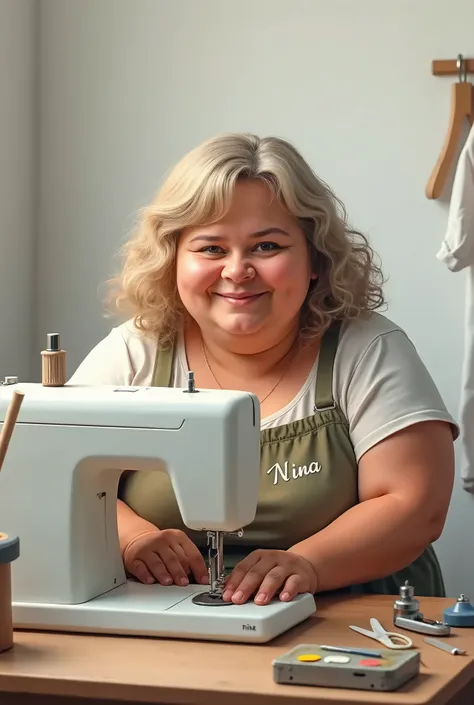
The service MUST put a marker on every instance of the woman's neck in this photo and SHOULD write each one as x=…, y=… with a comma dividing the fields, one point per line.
x=246, y=357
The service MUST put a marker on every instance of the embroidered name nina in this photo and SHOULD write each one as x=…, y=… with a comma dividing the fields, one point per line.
x=290, y=471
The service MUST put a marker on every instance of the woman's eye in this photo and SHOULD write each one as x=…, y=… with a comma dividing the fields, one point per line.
x=212, y=249
x=268, y=246
x=261, y=247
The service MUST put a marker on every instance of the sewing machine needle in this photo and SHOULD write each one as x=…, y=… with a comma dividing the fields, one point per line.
x=216, y=561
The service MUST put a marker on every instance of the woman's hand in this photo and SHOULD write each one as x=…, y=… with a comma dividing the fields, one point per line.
x=167, y=557
x=267, y=572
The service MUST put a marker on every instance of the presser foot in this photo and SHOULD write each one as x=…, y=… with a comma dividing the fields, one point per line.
x=209, y=599
x=213, y=596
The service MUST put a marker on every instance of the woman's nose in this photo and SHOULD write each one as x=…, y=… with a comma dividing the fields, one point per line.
x=238, y=269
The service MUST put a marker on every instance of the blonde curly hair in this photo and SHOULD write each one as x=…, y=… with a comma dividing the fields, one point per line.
x=198, y=191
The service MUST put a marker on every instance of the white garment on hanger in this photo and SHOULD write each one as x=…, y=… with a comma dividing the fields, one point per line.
x=457, y=252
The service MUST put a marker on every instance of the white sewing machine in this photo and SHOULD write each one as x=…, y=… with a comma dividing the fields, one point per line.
x=58, y=490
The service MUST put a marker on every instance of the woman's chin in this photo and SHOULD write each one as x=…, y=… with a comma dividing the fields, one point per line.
x=242, y=326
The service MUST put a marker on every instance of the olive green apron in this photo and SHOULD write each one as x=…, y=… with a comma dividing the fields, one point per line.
x=308, y=479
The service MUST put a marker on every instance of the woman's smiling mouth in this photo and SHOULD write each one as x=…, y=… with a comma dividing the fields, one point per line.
x=240, y=299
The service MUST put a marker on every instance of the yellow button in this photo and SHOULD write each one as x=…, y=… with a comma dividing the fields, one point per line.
x=309, y=658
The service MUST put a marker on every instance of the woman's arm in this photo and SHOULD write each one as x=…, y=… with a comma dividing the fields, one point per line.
x=405, y=486
x=130, y=525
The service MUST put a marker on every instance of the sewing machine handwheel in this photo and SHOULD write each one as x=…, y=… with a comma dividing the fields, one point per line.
x=205, y=599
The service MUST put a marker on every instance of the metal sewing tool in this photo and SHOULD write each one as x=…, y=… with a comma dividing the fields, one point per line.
x=391, y=640
x=10, y=380
x=444, y=647
x=407, y=615
x=216, y=570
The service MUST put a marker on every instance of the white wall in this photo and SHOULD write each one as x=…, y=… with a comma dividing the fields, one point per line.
x=17, y=185
x=127, y=87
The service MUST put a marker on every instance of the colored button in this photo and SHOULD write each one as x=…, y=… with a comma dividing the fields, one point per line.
x=336, y=659
x=309, y=658
x=370, y=662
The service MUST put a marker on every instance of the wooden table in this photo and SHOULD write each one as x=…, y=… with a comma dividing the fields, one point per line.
x=49, y=669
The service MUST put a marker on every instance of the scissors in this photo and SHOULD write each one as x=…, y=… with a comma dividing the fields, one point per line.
x=391, y=640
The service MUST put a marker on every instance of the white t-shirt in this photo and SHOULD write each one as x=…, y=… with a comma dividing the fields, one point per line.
x=379, y=381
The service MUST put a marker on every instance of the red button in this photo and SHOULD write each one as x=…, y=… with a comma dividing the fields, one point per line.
x=369, y=662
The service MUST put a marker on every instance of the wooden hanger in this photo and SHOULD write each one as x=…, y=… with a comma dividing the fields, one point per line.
x=462, y=108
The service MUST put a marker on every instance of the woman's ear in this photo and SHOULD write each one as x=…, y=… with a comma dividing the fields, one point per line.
x=314, y=275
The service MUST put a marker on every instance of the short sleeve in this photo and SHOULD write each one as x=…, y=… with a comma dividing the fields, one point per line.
x=390, y=389
x=107, y=363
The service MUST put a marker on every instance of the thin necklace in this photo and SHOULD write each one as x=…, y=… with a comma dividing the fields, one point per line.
x=285, y=370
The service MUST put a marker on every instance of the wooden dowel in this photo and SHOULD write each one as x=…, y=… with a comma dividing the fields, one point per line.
x=9, y=423
x=449, y=67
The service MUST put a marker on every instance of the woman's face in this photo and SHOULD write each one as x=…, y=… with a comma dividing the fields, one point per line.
x=249, y=273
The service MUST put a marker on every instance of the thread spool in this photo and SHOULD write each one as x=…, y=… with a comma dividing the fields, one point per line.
x=53, y=363
x=9, y=552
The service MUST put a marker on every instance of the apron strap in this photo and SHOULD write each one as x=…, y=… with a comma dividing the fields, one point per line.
x=327, y=353
x=163, y=366
x=324, y=399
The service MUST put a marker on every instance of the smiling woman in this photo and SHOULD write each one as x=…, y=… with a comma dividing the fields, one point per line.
x=245, y=270
x=243, y=282
x=246, y=277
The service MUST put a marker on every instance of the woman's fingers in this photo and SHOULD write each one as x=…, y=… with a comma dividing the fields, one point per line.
x=167, y=556
x=247, y=576
x=196, y=562
x=270, y=584
x=182, y=557
x=173, y=564
x=138, y=569
x=264, y=573
x=157, y=568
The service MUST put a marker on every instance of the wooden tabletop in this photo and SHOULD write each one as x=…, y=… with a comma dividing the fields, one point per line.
x=139, y=670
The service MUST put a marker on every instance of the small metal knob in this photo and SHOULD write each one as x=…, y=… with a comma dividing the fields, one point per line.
x=406, y=591
x=191, y=385
x=239, y=533
x=54, y=343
